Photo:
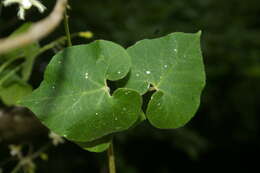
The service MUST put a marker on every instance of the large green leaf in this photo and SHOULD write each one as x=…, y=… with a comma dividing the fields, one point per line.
x=103, y=143
x=74, y=99
x=173, y=66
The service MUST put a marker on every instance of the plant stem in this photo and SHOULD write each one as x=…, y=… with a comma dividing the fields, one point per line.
x=17, y=168
x=67, y=30
x=33, y=156
x=12, y=72
x=60, y=40
x=111, y=159
x=7, y=63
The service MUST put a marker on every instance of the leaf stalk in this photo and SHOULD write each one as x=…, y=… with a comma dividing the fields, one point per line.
x=111, y=159
x=67, y=30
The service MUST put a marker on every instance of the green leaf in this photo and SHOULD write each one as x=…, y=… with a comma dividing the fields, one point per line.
x=103, y=143
x=13, y=88
x=173, y=66
x=74, y=99
x=29, y=52
x=21, y=29
x=16, y=91
x=98, y=145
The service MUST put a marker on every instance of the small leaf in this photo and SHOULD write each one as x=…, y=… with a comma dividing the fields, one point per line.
x=30, y=53
x=173, y=66
x=14, y=92
x=44, y=156
x=98, y=145
x=74, y=100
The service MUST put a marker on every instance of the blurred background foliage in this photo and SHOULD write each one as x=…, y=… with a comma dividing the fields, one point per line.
x=224, y=133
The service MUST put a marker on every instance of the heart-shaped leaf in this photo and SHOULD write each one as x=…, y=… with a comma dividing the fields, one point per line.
x=173, y=66
x=74, y=100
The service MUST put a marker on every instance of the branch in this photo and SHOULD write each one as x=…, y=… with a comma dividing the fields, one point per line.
x=38, y=30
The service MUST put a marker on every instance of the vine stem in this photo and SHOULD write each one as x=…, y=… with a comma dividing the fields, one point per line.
x=17, y=168
x=67, y=30
x=111, y=159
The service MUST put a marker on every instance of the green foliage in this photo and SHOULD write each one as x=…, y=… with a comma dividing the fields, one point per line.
x=173, y=66
x=98, y=145
x=28, y=52
x=11, y=94
x=75, y=101
x=10, y=81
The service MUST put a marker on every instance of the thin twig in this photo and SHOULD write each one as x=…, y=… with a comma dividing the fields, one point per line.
x=17, y=168
x=37, y=31
x=9, y=74
x=41, y=150
x=60, y=40
x=67, y=30
x=33, y=156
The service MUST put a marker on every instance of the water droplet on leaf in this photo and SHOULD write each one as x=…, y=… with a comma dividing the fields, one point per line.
x=127, y=92
x=86, y=75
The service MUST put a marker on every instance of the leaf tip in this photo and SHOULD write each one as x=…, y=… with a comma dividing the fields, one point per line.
x=199, y=33
x=20, y=103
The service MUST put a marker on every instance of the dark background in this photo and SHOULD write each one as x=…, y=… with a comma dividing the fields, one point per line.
x=224, y=134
